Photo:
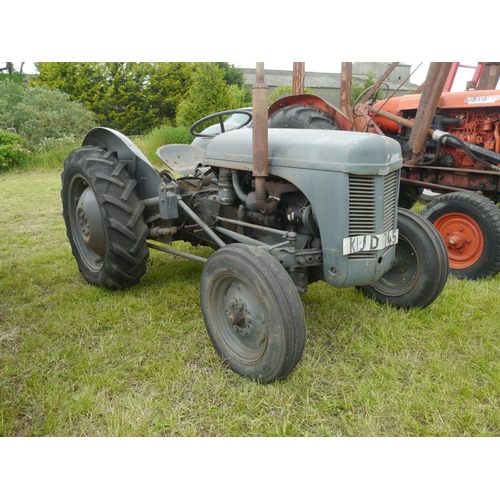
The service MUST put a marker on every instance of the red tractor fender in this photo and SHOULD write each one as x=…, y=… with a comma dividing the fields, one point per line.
x=313, y=101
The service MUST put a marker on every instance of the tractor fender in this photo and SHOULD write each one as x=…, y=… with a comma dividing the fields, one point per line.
x=138, y=166
x=314, y=101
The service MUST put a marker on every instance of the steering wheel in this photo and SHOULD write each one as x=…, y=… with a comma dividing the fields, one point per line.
x=219, y=115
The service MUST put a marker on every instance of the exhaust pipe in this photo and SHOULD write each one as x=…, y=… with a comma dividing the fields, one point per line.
x=260, y=142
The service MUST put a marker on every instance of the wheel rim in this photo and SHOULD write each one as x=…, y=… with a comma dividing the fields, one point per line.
x=86, y=223
x=403, y=275
x=241, y=319
x=463, y=238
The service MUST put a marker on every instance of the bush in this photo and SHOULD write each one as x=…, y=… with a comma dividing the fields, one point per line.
x=13, y=151
x=52, y=152
x=161, y=136
x=208, y=94
x=38, y=114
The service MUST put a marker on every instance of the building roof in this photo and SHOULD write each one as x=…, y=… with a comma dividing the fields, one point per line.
x=275, y=78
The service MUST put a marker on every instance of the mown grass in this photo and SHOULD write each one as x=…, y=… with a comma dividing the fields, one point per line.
x=76, y=360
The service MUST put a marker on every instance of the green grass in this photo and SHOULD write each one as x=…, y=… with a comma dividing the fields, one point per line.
x=76, y=360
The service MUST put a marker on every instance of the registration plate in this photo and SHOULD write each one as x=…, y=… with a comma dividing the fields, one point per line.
x=370, y=242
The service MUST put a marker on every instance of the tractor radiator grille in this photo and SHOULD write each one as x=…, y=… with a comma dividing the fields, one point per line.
x=363, y=194
x=391, y=182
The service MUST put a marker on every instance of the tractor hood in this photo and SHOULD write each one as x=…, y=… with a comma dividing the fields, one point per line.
x=328, y=150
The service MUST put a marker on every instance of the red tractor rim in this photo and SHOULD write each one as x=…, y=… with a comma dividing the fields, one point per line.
x=463, y=238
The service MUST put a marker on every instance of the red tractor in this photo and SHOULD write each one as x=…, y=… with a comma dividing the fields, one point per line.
x=451, y=145
x=455, y=151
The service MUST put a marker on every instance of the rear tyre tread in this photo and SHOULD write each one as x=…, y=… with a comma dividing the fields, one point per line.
x=126, y=252
x=301, y=117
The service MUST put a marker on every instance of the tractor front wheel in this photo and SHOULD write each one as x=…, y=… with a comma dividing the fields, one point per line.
x=253, y=312
x=420, y=269
x=469, y=224
x=103, y=216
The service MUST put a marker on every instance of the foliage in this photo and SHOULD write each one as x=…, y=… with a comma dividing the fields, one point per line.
x=134, y=97
x=83, y=82
x=160, y=136
x=285, y=90
x=235, y=78
x=207, y=94
x=9, y=72
x=358, y=90
x=232, y=75
x=127, y=109
x=239, y=97
x=13, y=151
x=52, y=153
x=9, y=68
x=38, y=114
x=167, y=85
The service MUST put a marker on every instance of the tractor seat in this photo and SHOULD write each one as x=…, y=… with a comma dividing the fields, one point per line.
x=183, y=159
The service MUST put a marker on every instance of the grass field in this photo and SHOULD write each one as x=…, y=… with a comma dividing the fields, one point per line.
x=76, y=360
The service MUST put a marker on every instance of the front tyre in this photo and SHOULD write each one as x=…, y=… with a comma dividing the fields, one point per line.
x=253, y=312
x=103, y=216
x=420, y=268
x=470, y=226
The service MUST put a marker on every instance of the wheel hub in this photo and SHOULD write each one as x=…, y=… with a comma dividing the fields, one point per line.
x=89, y=222
x=457, y=240
x=239, y=316
x=463, y=237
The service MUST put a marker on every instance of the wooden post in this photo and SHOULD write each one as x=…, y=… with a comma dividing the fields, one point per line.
x=298, y=78
x=345, y=89
x=437, y=75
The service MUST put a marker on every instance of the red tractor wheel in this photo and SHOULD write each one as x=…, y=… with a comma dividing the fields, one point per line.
x=463, y=238
x=470, y=227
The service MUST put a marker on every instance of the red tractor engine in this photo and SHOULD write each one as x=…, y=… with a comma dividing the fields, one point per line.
x=460, y=158
x=471, y=117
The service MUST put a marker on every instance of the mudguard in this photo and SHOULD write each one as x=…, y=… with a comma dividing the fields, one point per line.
x=138, y=166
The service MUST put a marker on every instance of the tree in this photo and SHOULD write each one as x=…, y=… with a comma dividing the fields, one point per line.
x=137, y=97
x=207, y=94
x=235, y=78
x=37, y=114
x=9, y=67
x=9, y=72
x=83, y=82
x=358, y=90
x=131, y=97
x=167, y=86
x=124, y=106
x=232, y=75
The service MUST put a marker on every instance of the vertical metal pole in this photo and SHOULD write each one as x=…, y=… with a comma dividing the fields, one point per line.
x=489, y=76
x=298, y=78
x=450, y=78
x=259, y=123
x=260, y=145
x=346, y=89
x=435, y=82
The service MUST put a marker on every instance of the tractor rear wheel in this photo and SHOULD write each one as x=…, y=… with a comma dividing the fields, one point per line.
x=302, y=117
x=103, y=216
x=470, y=226
x=420, y=268
x=253, y=312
